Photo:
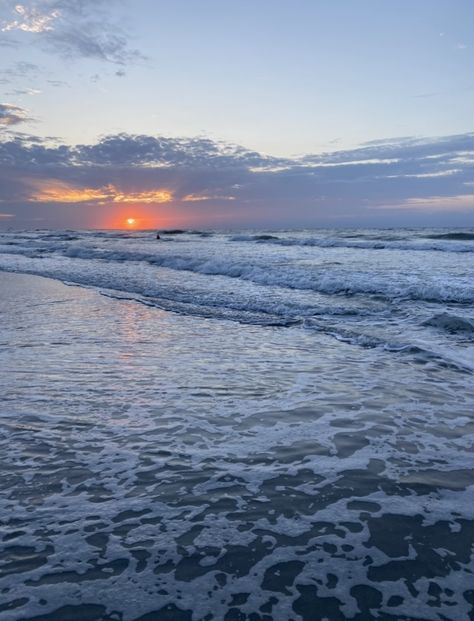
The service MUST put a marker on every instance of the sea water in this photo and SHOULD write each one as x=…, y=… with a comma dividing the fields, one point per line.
x=254, y=425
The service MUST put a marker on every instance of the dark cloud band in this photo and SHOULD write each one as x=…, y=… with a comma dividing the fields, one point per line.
x=406, y=175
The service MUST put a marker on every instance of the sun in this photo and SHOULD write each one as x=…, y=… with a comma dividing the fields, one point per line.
x=131, y=221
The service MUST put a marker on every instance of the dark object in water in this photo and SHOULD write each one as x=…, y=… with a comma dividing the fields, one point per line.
x=158, y=236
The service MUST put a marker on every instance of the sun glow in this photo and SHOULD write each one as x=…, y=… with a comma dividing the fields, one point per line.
x=115, y=208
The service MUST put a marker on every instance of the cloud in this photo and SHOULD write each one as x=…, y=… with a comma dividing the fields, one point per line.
x=19, y=92
x=12, y=115
x=193, y=198
x=8, y=43
x=19, y=70
x=30, y=19
x=73, y=29
x=386, y=182
x=161, y=151
x=58, y=83
x=92, y=40
x=432, y=204
x=54, y=191
x=426, y=95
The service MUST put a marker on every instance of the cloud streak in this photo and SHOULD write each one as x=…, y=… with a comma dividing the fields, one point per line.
x=19, y=71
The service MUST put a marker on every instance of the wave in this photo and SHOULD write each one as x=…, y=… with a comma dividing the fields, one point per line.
x=373, y=236
x=365, y=244
x=60, y=236
x=258, y=238
x=361, y=321
x=92, y=234
x=450, y=357
x=453, y=236
x=450, y=323
x=201, y=233
x=257, y=312
x=322, y=279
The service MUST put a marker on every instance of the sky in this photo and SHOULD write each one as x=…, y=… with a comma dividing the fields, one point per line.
x=242, y=113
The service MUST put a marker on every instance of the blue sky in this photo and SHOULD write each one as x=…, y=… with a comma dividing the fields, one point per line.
x=297, y=81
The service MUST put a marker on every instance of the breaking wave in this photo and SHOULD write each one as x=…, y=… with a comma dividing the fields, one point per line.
x=369, y=244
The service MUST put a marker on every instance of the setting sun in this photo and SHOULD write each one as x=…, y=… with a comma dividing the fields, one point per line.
x=130, y=221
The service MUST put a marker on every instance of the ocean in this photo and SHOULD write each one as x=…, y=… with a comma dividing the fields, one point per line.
x=237, y=426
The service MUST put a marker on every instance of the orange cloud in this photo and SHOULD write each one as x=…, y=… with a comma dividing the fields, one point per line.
x=153, y=196
x=59, y=192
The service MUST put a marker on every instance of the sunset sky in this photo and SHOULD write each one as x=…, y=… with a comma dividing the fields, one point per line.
x=265, y=113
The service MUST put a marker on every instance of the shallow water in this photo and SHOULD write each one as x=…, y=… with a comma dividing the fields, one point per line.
x=374, y=288
x=183, y=466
